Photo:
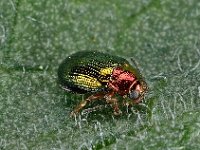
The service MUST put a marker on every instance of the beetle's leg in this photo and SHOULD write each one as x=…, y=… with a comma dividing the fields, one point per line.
x=84, y=103
x=95, y=108
x=125, y=103
x=113, y=102
x=133, y=102
x=138, y=100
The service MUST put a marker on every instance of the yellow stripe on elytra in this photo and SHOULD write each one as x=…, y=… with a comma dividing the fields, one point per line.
x=86, y=81
x=106, y=71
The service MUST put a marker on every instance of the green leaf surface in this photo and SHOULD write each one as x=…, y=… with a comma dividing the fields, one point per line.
x=162, y=36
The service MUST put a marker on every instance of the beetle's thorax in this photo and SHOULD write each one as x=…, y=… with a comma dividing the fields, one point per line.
x=121, y=81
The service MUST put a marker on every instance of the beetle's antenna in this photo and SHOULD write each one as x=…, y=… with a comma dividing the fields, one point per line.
x=135, y=63
x=136, y=66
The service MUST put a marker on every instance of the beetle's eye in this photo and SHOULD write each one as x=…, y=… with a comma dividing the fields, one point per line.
x=134, y=94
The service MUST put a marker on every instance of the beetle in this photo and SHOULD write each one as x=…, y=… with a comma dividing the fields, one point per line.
x=103, y=76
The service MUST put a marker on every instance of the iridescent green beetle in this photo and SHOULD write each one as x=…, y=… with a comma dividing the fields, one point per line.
x=103, y=76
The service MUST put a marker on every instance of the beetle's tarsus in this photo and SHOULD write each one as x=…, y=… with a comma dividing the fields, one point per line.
x=78, y=108
x=117, y=113
x=73, y=114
